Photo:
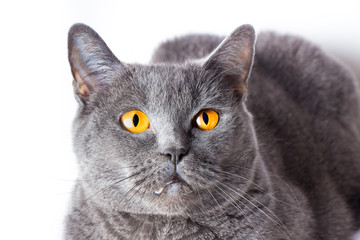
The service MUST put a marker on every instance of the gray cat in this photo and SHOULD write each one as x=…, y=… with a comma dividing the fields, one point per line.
x=215, y=139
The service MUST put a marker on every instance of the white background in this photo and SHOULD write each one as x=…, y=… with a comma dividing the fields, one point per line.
x=37, y=166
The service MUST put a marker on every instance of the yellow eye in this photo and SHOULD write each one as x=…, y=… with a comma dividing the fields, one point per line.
x=135, y=121
x=207, y=119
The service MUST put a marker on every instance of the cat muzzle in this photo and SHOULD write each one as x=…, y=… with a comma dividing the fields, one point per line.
x=173, y=185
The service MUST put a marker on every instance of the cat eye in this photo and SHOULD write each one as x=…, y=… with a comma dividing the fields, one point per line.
x=206, y=119
x=135, y=121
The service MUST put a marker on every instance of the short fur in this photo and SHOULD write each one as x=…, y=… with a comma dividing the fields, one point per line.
x=282, y=163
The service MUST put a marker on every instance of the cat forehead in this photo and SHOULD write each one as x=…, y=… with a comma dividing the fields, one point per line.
x=166, y=75
x=166, y=88
x=163, y=88
x=156, y=82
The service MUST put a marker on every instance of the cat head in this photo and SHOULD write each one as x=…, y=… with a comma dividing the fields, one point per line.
x=162, y=138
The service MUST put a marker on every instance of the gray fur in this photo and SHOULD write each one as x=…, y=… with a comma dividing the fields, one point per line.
x=282, y=163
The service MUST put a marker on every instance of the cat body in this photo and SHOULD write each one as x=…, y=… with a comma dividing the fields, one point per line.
x=283, y=161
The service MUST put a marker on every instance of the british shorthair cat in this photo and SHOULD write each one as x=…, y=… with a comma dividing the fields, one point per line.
x=214, y=139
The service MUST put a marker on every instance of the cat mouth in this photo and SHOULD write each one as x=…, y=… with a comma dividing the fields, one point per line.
x=173, y=185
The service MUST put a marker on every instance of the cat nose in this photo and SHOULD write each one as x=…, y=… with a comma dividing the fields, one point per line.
x=175, y=155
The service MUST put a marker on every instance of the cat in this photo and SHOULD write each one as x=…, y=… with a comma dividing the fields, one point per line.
x=247, y=137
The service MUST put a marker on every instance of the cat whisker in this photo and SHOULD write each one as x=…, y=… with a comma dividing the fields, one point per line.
x=109, y=185
x=283, y=181
x=136, y=185
x=277, y=222
x=233, y=202
x=103, y=172
x=221, y=208
x=260, y=189
x=126, y=178
x=132, y=189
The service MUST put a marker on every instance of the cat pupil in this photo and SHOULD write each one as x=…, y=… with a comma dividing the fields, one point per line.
x=205, y=118
x=136, y=120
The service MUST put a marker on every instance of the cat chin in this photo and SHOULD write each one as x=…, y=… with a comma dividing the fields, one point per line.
x=174, y=186
x=168, y=207
x=173, y=199
x=172, y=190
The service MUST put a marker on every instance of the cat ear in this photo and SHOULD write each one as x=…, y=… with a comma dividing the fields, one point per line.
x=92, y=63
x=233, y=58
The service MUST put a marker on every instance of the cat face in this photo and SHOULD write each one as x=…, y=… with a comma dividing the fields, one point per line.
x=172, y=165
